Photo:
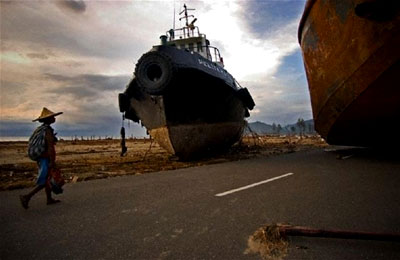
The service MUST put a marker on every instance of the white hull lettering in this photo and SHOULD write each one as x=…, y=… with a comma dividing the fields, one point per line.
x=211, y=66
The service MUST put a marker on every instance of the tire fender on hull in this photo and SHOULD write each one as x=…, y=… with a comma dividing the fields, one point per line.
x=246, y=98
x=154, y=72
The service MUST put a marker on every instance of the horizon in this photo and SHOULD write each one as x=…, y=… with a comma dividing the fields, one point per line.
x=68, y=135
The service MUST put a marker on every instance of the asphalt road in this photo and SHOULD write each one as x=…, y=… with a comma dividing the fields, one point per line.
x=176, y=215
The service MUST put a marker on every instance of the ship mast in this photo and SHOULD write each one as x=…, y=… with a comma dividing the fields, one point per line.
x=186, y=16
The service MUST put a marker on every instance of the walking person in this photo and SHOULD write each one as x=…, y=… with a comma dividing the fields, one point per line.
x=42, y=150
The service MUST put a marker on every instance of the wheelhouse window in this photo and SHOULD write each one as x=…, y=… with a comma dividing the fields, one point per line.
x=199, y=47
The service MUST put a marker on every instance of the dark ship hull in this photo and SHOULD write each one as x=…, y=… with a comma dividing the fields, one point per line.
x=188, y=104
x=351, y=54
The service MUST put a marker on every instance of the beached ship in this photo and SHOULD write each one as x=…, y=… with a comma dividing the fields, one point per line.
x=183, y=95
x=351, y=52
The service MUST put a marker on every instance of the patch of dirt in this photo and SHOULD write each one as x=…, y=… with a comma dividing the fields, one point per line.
x=94, y=159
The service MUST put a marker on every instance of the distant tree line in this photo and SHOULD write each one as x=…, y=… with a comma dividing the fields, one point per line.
x=301, y=127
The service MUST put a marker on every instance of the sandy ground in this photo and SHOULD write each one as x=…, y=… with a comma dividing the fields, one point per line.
x=86, y=160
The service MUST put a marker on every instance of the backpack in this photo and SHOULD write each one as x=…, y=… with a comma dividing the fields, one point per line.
x=37, y=143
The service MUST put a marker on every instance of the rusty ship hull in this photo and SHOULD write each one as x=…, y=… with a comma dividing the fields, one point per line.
x=197, y=109
x=351, y=56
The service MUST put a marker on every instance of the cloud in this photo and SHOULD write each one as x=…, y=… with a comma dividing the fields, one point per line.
x=87, y=85
x=15, y=92
x=16, y=128
x=107, y=31
x=88, y=99
x=266, y=18
x=284, y=96
x=75, y=6
x=250, y=53
x=40, y=56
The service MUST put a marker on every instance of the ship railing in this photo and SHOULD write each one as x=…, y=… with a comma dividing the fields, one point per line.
x=184, y=33
x=209, y=52
x=213, y=54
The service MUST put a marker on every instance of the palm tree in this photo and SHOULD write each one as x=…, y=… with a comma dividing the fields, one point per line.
x=279, y=129
x=293, y=129
x=302, y=125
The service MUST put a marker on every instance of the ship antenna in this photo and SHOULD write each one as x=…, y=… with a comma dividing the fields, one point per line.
x=174, y=16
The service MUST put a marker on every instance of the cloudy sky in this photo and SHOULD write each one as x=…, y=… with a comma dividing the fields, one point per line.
x=76, y=56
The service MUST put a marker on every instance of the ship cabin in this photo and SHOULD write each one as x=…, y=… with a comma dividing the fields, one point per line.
x=189, y=38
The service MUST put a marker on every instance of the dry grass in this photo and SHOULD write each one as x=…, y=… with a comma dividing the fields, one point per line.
x=267, y=242
x=86, y=160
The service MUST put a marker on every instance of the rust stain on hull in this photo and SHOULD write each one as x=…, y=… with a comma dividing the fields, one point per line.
x=161, y=135
x=351, y=56
x=190, y=140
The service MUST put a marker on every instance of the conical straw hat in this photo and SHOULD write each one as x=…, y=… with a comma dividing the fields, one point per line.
x=46, y=113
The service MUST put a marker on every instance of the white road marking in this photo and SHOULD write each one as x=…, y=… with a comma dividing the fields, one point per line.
x=253, y=185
